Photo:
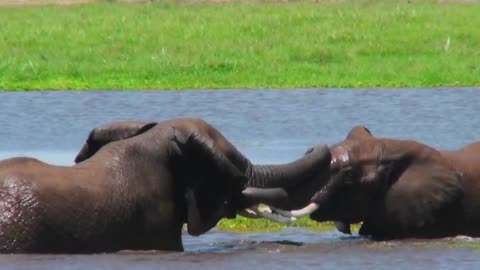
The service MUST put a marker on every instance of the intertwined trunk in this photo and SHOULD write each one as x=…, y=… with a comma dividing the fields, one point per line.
x=286, y=175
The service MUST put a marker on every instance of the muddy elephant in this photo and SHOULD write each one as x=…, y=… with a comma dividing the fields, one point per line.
x=134, y=186
x=399, y=188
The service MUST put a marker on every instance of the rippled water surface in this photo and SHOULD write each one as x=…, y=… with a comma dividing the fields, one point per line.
x=269, y=127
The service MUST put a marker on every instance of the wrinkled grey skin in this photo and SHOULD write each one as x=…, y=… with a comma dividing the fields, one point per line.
x=134, y=187
x=401, y=188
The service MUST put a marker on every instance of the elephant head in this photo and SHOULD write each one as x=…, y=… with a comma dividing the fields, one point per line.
x=395, y=187
x=214, y=172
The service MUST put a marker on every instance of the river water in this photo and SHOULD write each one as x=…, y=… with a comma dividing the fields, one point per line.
x=268, y=126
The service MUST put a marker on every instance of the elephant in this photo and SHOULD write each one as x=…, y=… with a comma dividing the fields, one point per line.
x=134, y=185
x=398, y=189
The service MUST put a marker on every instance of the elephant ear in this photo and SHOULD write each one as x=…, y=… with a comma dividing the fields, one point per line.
x=213, y=179
x=208, y=202
x=105, y=134
x=424, y=187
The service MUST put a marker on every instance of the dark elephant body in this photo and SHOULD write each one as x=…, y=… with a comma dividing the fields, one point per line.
x=134, y=187
x=396, y=188
x=63, y=209
x=467, y=162
x=108, y=202
x=402, y=188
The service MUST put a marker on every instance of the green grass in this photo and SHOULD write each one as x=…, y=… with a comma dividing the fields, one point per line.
x=241, y=224
x=249, y=45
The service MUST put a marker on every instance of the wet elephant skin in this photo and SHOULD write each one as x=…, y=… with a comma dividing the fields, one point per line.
x=135, y=185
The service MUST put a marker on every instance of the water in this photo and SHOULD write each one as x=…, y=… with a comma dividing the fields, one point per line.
x=268, y=127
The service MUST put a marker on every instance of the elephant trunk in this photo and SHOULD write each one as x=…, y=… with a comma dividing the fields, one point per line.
x=290, y=174
x=268, y=183
x=321, y=198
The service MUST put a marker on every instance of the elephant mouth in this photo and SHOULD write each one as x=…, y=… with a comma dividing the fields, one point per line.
x=259, y=200
x=312, y=169
x=265, y=211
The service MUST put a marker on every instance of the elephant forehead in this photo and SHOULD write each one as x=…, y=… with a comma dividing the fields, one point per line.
x=339, y=155
x=366, y=152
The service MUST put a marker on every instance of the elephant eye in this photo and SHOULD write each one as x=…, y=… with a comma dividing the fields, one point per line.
x=350, y=177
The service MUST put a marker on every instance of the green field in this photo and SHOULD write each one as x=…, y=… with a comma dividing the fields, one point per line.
x=239, y=45
x=241, y=224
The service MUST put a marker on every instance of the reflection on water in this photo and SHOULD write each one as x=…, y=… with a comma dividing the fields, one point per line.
x=269, y=127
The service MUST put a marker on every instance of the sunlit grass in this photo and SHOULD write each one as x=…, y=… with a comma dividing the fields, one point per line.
x=241, y=224
x=248, y=45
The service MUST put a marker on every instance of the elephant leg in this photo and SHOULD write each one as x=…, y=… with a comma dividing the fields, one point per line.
x=162, y=228
x=366, y=229
x=160, y=240
x=376, y=231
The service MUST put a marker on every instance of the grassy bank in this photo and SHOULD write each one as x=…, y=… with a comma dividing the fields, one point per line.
x=241, y=224
x=172, y=46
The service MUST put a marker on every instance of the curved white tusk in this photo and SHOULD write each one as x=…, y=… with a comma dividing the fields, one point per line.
x=261, y=210
x=264, y=209
x=248, y=213
x=307, y=210
x=277, y=217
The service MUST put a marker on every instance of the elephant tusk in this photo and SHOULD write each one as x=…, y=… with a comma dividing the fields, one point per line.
x=277, y=218
x=248, y=213
x=307, y=210
x=264, y=211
